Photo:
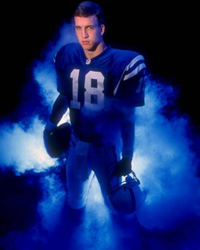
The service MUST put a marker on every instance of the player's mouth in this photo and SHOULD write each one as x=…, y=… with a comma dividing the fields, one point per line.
x=85, y=42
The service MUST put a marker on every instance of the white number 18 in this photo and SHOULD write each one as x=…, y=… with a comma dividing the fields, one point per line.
x=93, y=95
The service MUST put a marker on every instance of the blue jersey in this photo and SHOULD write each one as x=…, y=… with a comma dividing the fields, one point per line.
x=98, y=90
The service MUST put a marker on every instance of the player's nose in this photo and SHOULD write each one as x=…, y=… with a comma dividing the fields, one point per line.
x=84, y=33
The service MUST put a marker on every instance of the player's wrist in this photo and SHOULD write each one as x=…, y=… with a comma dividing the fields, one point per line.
x=127, y=160
x=127, y=153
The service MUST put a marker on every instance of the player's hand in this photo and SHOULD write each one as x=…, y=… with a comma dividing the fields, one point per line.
x=123, y=167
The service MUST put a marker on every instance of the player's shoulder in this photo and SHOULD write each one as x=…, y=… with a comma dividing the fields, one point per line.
x=125, y=54
x=127, y=59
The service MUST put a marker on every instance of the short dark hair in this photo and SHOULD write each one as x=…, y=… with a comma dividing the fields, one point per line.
x=89, y=8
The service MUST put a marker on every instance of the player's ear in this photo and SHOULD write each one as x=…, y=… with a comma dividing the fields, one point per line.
x=102, y=29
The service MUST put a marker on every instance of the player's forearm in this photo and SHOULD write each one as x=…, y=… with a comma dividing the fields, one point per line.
x=128, y=136
x=59, y=108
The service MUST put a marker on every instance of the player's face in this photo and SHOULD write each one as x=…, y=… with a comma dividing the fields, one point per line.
x=88, y=32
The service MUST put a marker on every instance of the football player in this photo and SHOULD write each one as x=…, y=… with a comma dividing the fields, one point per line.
x=101, y=86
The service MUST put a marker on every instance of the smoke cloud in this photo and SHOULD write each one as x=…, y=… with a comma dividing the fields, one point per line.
x=44, y=72
x=21, y=145
x=23, y=148
x=166, y=164
x=165, y=161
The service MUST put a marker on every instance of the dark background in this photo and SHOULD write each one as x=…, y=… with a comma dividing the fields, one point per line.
x=165, y=33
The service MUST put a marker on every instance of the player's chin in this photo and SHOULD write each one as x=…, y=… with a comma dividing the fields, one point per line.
x=85, y=43
x=88, y=46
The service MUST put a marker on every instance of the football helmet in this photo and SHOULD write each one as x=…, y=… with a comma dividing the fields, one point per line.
x=57, y=141
x=124, y=193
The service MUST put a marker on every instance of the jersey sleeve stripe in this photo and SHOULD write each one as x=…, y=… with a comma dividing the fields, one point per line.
x=135, y=71
x=134, y=61
x=133, y=67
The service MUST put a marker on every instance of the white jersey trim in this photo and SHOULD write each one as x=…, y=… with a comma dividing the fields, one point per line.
x=135, y=71
x=132, y=73
x=133, y=62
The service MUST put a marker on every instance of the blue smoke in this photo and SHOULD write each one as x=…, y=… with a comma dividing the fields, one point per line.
x=166, y=161
x=167, y=164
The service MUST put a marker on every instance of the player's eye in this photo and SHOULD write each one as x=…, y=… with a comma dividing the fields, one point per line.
x=90, y=27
